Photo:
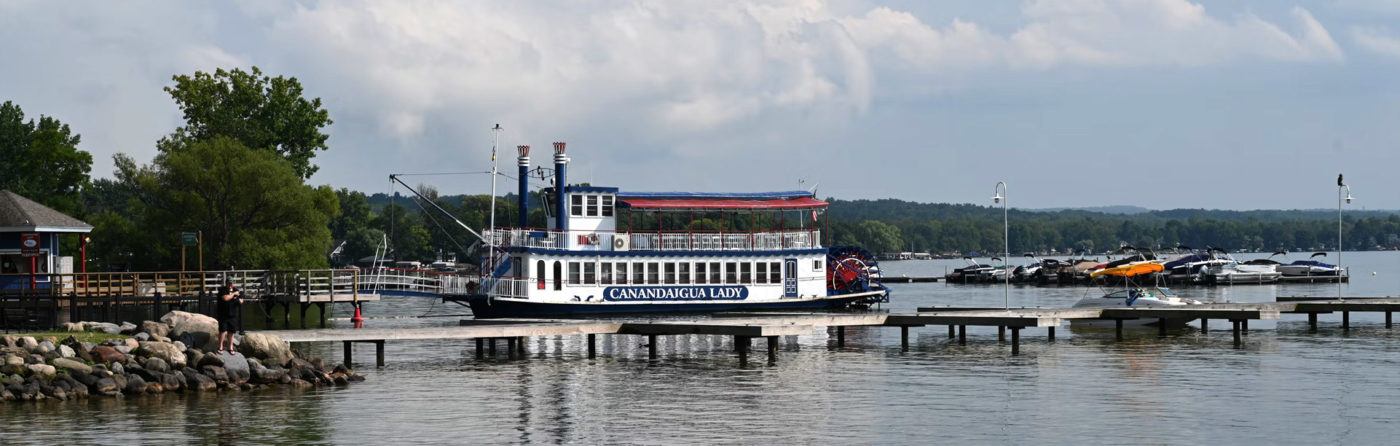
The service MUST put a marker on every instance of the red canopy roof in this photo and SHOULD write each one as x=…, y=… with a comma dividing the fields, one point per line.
x=691, y=203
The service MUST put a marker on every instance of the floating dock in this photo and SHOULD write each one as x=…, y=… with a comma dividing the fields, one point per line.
x=743, y=327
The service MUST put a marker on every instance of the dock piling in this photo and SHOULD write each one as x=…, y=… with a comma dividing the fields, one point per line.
x=348, y=350
x=1001, y=333
x=1312, y=322
x=510, y=347
x=592, y=345
x=962, y=335
x=1162, y=327
x=378, y=353
x=950, y=332
x=772, y=349
x=1015, y=341
x=1387, y=320
x=651, y=346
x=480, y=344
x=1118, y=329
x=904, y=338
x=1244, y=327
x=1050, y=334
x=1236, y=323
x=1346, y=320
x=1204, y=324
x=840, y=336
x=741, y=344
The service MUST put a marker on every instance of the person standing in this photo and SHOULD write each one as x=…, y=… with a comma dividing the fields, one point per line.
x=227, y=311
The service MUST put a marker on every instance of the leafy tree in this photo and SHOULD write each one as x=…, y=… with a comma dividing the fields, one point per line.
x=250, y=205
x=40, y=160
x=258, y=111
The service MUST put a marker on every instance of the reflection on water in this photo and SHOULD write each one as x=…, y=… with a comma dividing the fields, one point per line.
x=1285, y=385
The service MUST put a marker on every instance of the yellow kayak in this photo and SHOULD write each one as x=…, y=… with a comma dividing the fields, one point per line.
x=1129, y=270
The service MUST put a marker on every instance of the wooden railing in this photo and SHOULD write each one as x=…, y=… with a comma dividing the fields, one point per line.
x=254, y=283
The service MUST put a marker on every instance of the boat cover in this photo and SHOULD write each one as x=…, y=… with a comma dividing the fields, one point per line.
x=1129, y=270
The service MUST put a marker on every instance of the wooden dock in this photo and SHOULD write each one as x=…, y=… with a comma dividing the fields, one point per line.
x=743, y=326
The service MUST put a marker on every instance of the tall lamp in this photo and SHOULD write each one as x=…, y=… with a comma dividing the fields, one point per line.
x=1340, y=188
x=1001, y=197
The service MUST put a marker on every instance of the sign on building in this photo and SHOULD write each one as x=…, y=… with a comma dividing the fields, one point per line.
x=29, y=244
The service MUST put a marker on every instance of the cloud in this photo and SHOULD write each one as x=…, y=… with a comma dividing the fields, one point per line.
x=1377, y=40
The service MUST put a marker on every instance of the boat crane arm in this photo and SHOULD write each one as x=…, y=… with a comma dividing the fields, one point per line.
x=395, y=177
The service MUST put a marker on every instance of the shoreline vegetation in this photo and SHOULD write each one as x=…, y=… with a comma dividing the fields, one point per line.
x=109, y=360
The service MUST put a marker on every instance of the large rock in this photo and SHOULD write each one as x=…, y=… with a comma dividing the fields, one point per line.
x=155, y=364
x=104, y=327
x=66, y=351
x=80, y=351
x=74, y=326
x=107, y=354
x=42, y=369
x=135, y=385
x=237, y=368
x=129, y=328
x=219, y=375
x=155, y=328
x=105, y=386
x=165, y=351
x=268, y=347
x=72, y=366
x=264, y=375
x=28, y=343
x=196, y=381
x=203, y=330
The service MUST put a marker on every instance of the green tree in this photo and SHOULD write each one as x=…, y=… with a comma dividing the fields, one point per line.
x=252, y=207
x=258, y=111
x=40, y=159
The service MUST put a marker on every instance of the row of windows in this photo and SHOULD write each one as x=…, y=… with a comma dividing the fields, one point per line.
x=674, y=273
x=590, y=205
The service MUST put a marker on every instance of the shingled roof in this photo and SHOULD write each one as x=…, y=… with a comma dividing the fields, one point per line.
x=19, y=214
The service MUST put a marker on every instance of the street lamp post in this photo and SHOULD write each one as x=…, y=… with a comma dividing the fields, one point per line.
x=1340, y=187
x=1001, y=197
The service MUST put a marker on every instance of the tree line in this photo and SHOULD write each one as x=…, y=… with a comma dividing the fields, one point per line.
x=236, y=173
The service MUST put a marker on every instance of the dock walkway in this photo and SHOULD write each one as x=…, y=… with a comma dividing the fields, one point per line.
x=745, y=326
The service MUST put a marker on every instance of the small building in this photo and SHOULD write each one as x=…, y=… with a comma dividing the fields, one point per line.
x=29, y=236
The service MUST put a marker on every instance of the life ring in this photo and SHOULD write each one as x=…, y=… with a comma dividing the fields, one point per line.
x=618, y=242
x=593, y=239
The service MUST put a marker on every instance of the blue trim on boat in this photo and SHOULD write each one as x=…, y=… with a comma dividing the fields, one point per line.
x=498, y=308
x=717, y=195
x=564, y=252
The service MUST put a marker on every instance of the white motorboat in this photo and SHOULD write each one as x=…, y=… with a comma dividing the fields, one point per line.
x=1310, y=267
x=1236, y=272
x=1134, y=298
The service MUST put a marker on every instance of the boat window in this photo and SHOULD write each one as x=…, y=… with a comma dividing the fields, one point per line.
x=639, y=273
x=539, y=266
x=592, y=205
x=731, y=273
x=816, y=265
x=607, y=205
x=573, y=273
x=621, y=272
x=761, y=272
x=670, y=273
x=605, y=273
x=715, y=273
x=576, y=205
x=653, y=273
x=774, y=272
x=589, y=276
x=700, y=273
x=745, y=273
x=683, y=273
x=558, y=275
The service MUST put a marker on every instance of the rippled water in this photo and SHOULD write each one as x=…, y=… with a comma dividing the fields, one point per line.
x=1284, y=386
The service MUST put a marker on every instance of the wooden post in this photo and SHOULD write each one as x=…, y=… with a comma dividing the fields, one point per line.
x=772, y=349
x=1161, y=326
x=1015, y=341
x=840, y=336
x=950, y=332
x=510, y=347
x=1387, y=320
x=491, y=346
x=520, y=343
x=592, y=345
x=1236, y=323
x=962, y=335
x=155, y=306
x=1050, y=334
x=480, y=344
x=1312, y=322
x=347, y=353
x=1001, y=333
x=1244, y=327
x=1204, y=323
x=651, y=346
x=741, y=343
x=304, y=307
x=904, y=338
x=322, y=307
x=378, y=353
x=1346, y=320
x=1118, y=328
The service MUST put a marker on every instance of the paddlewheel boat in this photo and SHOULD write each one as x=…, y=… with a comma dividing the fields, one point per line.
x=609, y=251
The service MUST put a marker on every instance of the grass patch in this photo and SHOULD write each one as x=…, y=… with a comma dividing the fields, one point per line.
x=95, y=337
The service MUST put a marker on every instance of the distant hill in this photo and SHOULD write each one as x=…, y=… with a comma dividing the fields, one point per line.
x=1114, y=210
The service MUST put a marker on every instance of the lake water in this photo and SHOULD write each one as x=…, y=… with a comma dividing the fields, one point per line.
x=1285, y=386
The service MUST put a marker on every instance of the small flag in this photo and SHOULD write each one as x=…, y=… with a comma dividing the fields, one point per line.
x=814, y=215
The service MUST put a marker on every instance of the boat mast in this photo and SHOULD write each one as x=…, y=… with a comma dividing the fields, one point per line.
x=490, y=230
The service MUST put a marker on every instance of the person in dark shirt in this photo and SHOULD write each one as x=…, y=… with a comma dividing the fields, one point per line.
x=229, y=305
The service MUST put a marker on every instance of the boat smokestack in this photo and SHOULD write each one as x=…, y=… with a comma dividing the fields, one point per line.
x=524, y=199
x=561, y=161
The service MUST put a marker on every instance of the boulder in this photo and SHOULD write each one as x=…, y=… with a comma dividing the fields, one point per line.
x=219, y=375
x=105, y=386
x=135, y=385
x=117, y=368
x=80, y=351
x=203, y=330
x=44, y=347
x=73, y=367
x=42, y=369
x=128, y=328
x=155, y=328
x=107, y=354
x=73, y=326
x=27, y=343
x=14, y=360
x=267, y=347
x=196, y=381
x=192, y=356
x=214, y=359
x=66, y=351
x=264, y=375
x=237, y=367
x=164, y=351
x=131, y=343
x=104, y=327
x=157, y=365
x=301, y=384
x=142, y=337
x=9, y=341
x=121, y=381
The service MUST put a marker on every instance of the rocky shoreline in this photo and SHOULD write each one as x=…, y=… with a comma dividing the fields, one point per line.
x=166, y=356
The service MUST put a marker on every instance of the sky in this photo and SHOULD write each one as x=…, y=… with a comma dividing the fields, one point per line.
x=1232, y=104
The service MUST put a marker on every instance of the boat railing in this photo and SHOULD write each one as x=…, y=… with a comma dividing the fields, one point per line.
x=659, y=240
x=401, y=280
x=506, y=286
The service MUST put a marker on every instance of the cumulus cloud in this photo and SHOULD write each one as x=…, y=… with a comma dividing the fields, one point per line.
x=1377, y=40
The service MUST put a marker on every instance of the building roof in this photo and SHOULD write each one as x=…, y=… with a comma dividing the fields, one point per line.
x=19, y=214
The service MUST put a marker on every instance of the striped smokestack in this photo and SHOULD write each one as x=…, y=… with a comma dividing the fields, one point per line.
x=561, y=161
x=524, y=199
